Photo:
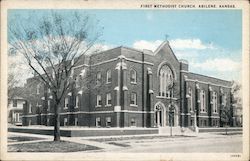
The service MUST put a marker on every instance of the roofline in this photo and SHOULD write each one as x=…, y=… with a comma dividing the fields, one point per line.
x=101, y=52
x=210, y=77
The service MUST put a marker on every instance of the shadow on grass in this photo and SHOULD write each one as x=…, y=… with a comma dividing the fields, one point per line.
x=119, y=144
x=50, y=146
x=12, y=139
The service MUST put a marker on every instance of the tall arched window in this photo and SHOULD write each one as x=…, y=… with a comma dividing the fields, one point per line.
x=165, y=81
x=191, y=99
x=108, y=80
x=132, y=76
x=203, y=101
x=215, y=107
x=98, y=78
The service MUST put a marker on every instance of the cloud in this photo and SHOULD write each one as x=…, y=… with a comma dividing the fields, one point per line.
x=218, y=64
x=150, y=45
x=176, y=44
x=190, y=44
x=19, y=68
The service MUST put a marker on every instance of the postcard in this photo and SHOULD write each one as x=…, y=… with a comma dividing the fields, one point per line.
x=124, y=80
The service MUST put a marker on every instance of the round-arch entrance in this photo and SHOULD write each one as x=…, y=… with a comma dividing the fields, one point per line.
x=165, y=116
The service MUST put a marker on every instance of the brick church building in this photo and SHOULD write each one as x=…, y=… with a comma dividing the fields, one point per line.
x=131, y=88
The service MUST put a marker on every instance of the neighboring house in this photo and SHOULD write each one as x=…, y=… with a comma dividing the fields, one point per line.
x=129, y=88
x=15, y=110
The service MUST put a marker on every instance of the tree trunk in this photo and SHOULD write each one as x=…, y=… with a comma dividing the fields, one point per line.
x=57, y=123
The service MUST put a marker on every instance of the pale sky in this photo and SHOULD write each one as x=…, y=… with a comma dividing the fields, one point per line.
x=211, y=40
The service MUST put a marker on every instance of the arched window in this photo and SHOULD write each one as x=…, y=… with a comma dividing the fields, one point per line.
x=215, y=106
x=108, y=76
x=98, y=78
x=166, y=81
x=77, y=101
x=203, y=101
x=38, y=89
x=133, y=76
x=133, y=99
x=66, y=103
x=191, y=99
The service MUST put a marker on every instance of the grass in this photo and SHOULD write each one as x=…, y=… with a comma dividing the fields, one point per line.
x=22, y=138
x=50, y=146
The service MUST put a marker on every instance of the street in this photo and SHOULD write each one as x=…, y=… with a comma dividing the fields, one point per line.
x=202, y=143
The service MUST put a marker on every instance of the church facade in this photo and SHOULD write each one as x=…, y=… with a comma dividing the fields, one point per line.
x=131, y=88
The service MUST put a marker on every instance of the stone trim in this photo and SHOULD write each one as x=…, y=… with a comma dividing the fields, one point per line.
x=107, y=61
x=83, y=65
x=192, y=80
x=92, y=112
x=138, y=61
x=184, y=71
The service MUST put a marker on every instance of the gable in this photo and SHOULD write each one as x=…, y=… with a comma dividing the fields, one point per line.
x=165, y=49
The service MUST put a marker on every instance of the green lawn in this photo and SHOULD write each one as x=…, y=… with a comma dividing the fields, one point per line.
x=50, y=146
x=12, y=139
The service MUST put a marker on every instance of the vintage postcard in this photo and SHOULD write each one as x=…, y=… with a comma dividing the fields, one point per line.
x=124, y=80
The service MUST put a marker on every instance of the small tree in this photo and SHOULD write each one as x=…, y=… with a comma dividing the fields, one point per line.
x=225, y=117
x=52, y=47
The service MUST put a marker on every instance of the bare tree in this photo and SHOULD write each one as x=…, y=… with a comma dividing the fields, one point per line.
x=236, y=101
x=52, y=48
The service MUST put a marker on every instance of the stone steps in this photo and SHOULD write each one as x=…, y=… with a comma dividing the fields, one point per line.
x=176, y=131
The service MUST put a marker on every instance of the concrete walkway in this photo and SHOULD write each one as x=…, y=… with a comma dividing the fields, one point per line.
x=78, y=140
x=139, y=143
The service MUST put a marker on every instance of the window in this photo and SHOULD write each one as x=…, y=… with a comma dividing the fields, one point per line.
x=49, y=90
x=65, y=121
x=98, y=101
x=48, y=105
x=66, y=102
x=14, y=103
x=37, y=89
x=76, y=121
x=47, y=121
x=98, y=122
x=215, y=100
x=133, y=76
x=17, y=117
x=77, y=81
x=108, y=121
x=205, y=122
x=165, y=81
x=132, y=122
x=203, y=101
x=169, y=93
x=133, y=99
x=98, y=78
x=30, y=108
x=77, y=101
x=191, y=99
x=108, y=99
x=108, y=76
x=224, y=100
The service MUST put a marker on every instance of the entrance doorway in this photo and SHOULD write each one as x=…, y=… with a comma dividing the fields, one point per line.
x=160, y=115
x=164, y=116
